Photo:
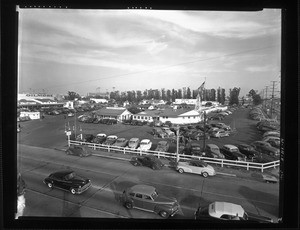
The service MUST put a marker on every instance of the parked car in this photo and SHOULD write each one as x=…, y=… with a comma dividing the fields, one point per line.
x=145, y=145
x=78, y=150
x=213, y=151
x=198, y=135
x=133, y=143
x=192, y=149
x=232, y=152
x=156, y=131
x=110, y=140
x=137, y=122
x=126, y=122
x=162, y=146
x=100, y=138
x=111, y=121
x=265, y=147
x=149, y=161
x=224, y=211
x=85, y=137
x=274, y=143
x=168, y=132
x=266, y=139
x=220, y=133
x=120, y=142
x=249, y=151
x=71, y=114
x=68, y=180
x=146, y=198
x=223, y=126
x=271, y=133
x=197, y=167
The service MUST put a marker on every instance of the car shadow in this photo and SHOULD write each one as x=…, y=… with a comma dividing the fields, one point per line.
x=271, y=204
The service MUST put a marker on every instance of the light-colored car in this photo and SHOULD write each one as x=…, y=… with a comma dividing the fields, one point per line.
x=196, y=167
x=145, y=144
x=168, y=131
x=133, y=143
x=271, y=133
x=120, y=142
x=268, y=138
x=224, y=211
x=110, y=140
x=220, y=133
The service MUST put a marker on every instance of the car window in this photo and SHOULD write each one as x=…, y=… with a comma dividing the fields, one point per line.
x=146, y=197
x=226, y=216
x=137, y=195
x=131, y=194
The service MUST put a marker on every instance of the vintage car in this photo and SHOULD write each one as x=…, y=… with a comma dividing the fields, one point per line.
x=198, y=135
x=223, y=126
x=78, y=150
x=145, y=145
x=213, y=151
x=232, y=152
x=268, y=138
x=120, y=142
x=149, y=161
x=156, y=131
x=68, y=180
x=249, y=151
x=146, y=198
x=220, y=133
x=168, y=132
x=224, y=211
x=274, y=143
x=133, y=143
x=197, y=167
x=265, y=147
x=110, y=140
x=162, y=146
x=271, y=133
x=100, y=138
x=192, y=149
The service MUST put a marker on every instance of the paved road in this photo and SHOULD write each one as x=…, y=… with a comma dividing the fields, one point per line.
x=110, y=177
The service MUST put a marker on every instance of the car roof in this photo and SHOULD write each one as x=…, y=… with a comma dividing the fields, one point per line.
x=144, y=189
x=212, y=145
x=134, y=139
x=244, y=145
x=114, y=136
x=121, y=139
x=145, y=140
x=217, y=209
x=230, y=146
x=62, y=172
x=101, y=134
x=163, y=142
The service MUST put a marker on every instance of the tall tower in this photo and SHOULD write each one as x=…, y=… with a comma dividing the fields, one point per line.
x=198, y=103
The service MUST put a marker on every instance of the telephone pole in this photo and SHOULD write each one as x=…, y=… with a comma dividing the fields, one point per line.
x=272, y=99
x=266, y=97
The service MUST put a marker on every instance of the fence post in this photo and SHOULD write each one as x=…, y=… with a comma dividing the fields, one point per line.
x=94, y=146
x=262, y=167
x=124, y=150
x=222, y=163
x=247, y=166
x=158, y=155
x=108, y=148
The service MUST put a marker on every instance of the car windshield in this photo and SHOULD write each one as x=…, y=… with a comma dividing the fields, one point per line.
x=196, y=148
x=70, y=176
x=110, y=138
x=234, y=150
x=215, y=149
x=144, y=143
x=132, y=142
x=120, y=141
x=204, y=211
x=154, y=195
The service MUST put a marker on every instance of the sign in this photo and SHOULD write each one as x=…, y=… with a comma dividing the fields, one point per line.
x=68, y=133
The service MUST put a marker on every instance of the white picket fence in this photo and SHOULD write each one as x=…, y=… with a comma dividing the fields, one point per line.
x=222, y=162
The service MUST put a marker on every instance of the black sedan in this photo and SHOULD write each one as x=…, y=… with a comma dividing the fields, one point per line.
x=149, y=161
x=249, y=151
x=68, y=180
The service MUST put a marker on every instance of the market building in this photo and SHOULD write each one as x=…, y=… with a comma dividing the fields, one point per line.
x=118, y=113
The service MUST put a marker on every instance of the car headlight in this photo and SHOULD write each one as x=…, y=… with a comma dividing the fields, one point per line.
x=79, y=186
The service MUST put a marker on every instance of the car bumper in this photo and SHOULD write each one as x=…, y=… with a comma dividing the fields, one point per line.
x=84, y=188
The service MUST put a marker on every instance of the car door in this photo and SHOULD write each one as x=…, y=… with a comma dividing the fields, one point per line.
x=138, y=200
x=194, y=168
x=146, y=161
x=148, y=203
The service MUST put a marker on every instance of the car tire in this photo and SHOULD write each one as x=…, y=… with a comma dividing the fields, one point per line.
x=180, y=170
x=128, y=205
x=135, y=164
x=72, y=190
x=205, y=174
x=50, y=185
x=164, y=214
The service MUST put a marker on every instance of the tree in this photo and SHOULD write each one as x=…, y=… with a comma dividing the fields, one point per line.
x=72, y=95
x=134, y=110
x=256, y=99
x=219, y=95
x=251, y=93
x=169, y=95
x=222, y=99
x=188, y=93
x=213, y=95
x=179, y=94
x=174, y=95
x=234, y=96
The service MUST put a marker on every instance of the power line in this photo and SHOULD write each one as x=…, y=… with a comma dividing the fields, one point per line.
x=163, y=68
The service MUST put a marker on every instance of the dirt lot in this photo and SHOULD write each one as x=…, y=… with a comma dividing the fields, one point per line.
x=49, y=132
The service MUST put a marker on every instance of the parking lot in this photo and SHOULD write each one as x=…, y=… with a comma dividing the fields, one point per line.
x=50, y=131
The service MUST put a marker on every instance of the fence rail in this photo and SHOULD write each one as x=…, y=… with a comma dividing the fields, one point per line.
x=222, y=162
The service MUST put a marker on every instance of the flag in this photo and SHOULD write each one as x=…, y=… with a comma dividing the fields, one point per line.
x=201, y=86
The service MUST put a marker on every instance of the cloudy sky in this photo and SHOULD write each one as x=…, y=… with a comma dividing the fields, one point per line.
x=63, y=50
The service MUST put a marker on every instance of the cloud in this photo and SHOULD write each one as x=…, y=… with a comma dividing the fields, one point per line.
x=266, y=68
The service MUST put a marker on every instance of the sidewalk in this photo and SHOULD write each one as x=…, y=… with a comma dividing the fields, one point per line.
x=224, y=171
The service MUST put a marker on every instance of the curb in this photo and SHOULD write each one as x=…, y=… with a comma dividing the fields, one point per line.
x=118, y=158
x=226, y=174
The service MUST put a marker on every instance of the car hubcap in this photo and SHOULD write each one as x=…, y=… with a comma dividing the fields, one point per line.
x=180, y=170
x=49, y=185
x=204, y=174
x=73, y=191
x=163, y=214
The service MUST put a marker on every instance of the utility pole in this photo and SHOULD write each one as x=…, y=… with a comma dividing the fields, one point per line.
x=272, y=99
x=266, y=97
x=177, y=145
x=204, y=137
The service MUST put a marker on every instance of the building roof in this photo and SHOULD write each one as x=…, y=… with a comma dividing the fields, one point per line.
x=110, y=112
x=169, y=113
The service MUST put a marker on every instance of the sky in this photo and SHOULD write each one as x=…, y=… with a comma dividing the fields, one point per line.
x=63, y=50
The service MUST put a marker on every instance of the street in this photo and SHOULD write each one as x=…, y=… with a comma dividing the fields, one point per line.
x=110, y=177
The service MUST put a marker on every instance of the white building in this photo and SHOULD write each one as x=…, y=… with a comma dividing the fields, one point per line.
x=99, y=100
x=69, y=104
x=176, y=116
x=118, y=113
x=32, y=115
